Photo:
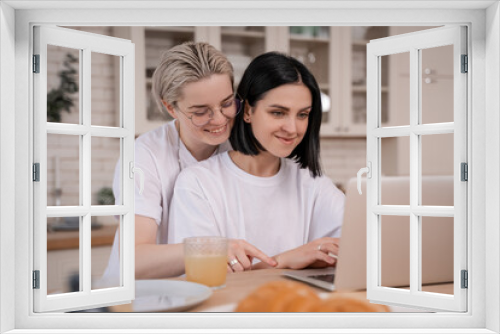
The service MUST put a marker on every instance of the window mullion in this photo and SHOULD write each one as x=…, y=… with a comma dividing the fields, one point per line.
x=415, y=159
x=376, y=197
x=127, y=257
x=86, y=167
x=373, y=155
x=434, y=129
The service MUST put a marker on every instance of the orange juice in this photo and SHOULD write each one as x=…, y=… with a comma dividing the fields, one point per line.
x=209, y=270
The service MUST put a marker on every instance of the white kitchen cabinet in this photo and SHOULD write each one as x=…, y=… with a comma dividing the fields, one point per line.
x=335, y=55
x=352, y=43
x=150, y=42
x=317, y=48
x=240, y=44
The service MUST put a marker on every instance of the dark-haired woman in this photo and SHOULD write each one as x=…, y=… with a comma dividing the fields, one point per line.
x=194, y=84
x=269, y=190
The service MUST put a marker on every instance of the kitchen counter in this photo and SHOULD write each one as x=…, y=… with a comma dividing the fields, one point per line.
x=103, y=236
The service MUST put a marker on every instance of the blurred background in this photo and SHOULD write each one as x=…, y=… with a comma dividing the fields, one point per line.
x=335, y=55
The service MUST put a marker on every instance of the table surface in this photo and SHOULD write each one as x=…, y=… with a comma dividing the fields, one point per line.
x=240, y=284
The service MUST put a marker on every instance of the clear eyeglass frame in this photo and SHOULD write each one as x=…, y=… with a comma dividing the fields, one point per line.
x=202, y=120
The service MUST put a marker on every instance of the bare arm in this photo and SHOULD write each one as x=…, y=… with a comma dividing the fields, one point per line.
x=153, y=260
x=318, y=253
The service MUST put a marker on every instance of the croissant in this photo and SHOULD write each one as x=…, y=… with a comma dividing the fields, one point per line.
x=279, y=296
x=342, y=303
x=290, y=296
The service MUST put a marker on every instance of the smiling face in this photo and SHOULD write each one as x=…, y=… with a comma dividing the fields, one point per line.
x=212, y=92
x=279, y=120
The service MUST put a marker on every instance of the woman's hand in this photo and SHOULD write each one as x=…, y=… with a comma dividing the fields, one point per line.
x=243, y=253
x=318, y=253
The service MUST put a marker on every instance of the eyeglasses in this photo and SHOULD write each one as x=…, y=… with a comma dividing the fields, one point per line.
x=203, y=115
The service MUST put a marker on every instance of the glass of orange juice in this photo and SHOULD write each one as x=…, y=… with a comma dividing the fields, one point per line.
x=205, y=260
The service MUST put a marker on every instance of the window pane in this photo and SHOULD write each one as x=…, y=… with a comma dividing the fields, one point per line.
x=105, y=90
x=437, y=253
x=105, y=156
x=107, y=270
x=63, y=170
x=395, y=170
x=63, y=86
x=437, y=169
x=63, y=255
x=395, y=251
x=437, y=84
x=104, y=229
x=399, y=94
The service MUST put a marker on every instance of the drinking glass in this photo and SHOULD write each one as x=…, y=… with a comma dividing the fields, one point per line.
x=205, y=260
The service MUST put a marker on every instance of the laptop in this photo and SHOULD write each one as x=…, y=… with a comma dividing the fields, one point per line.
x=437, y=239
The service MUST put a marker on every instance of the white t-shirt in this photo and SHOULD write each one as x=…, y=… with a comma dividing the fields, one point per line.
x=275, y=214
x=161, y=155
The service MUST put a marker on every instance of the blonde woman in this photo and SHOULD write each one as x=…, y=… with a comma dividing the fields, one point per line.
x=194, y=83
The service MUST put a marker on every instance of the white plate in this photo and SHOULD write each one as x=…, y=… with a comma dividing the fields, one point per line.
x=168, y=296
x=231, y=307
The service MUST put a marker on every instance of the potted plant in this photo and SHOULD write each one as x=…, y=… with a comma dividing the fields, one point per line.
x=60, y=98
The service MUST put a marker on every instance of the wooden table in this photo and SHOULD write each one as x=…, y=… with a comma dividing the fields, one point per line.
x=239, y=285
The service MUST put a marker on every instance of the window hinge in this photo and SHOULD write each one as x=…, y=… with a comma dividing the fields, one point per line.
x=36, y=279
x=36, y=63
x=464, y=172
x=465, y=279
x=465, y=64
x=36, y=172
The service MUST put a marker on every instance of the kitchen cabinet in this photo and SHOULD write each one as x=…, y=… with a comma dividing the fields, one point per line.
x=149, y=42
x=335, y=55
x=240, y=44
x=317, y=48
x=352, y=43
x=337, y=58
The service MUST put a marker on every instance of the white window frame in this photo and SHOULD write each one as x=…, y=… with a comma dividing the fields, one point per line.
x=414, y=43
x=86, y=44
x=484, y=147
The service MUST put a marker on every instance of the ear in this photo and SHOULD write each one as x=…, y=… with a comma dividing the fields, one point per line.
x=170, y=108
x=247, y=113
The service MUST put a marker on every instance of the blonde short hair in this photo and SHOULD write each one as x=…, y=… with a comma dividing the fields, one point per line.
x=184, y=63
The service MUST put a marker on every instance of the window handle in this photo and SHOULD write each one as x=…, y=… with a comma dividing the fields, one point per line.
x=132, y=171
x=368, y=171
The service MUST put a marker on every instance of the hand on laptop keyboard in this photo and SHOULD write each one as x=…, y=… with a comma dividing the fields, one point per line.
x=314, y=254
